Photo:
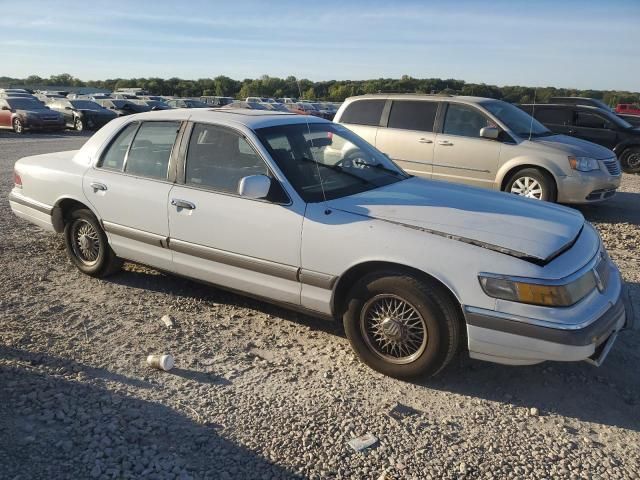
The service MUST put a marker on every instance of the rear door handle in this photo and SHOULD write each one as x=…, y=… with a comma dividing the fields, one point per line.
x=445, y=143
x=98, y=186
x=425, y=140
x=176, y=202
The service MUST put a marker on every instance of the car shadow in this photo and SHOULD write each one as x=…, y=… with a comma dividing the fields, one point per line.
x=622, y=208
x=56, y=428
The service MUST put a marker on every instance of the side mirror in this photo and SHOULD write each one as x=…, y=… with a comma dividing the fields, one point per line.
x=68, y=108
x=254, y=186
x=4, y=107
x=489, y=132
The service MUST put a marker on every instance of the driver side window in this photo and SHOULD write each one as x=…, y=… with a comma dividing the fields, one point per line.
x=464, y=121
x=218, y=158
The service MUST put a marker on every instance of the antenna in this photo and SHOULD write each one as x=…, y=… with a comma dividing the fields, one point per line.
x=324, y=196
x=533, y=112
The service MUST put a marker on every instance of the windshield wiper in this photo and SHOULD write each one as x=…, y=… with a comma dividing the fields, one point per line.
x=379, y=166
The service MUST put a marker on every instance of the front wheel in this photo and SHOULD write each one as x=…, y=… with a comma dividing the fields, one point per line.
x=18, y=126
x=87, y=245
x=78, y=125
x=532, y=183
x=402, y=326
x=630, y=160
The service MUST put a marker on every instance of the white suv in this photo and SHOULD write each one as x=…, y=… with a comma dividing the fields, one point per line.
x=482, y=142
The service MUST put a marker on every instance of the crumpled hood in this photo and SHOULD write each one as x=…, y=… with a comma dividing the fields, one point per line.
x=525, y=228
x=575, y=146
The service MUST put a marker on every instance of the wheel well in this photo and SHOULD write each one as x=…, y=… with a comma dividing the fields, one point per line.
x=517, y=168
x=62, y=210
x=351, y=276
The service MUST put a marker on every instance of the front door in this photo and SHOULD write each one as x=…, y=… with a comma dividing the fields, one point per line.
x=595, y=128
x=129, y=188
x=217, y=236
x=460, y=154
x=409, y=139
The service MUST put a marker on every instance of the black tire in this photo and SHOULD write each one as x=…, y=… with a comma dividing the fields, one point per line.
x=544, y=180
x=438, y=312
x=630, y=160
x=78, y=124
x=93, y=255
x=18, y=126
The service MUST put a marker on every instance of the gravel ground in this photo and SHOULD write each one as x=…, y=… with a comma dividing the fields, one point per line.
x=260, y=392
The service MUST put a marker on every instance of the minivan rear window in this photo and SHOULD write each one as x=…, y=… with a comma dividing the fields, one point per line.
x=413, y=115
x=363, y=112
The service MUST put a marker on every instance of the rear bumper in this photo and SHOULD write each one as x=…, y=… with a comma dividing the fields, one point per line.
x=32, y=211
x=515, y=341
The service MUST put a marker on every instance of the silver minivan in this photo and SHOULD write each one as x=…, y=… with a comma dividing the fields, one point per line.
x=482, y=142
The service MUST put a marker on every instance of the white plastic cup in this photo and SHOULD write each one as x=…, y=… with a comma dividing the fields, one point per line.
x=161, y=362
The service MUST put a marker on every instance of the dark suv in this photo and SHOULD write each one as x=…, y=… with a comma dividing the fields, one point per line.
x=594, y=124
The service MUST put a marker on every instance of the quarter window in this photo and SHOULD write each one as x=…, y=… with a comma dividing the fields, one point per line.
x=113, y=159
x=413, y=115
x=149, y=154
x=363, y=112
x=465, y=121
x=218, y=158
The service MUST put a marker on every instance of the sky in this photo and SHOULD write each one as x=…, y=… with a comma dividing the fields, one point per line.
x=584, y=44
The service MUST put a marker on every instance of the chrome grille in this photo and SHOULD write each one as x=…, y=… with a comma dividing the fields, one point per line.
x=613, y=166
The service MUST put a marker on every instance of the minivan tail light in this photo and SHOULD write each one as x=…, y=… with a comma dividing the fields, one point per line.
x=17, y=180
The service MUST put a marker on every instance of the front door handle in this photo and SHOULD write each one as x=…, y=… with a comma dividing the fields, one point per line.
x=445, y=143
x=98, y=186
x=182, y=204
x=571, y=131
x=425, y=140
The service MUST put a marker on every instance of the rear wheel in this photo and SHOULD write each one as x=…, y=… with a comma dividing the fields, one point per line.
x=402, y=326
x=532, y=183
x=78, y=124
x=87, y=245
x=630, y=160
x=18, y=126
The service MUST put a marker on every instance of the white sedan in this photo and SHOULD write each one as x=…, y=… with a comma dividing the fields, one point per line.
x=248, y=200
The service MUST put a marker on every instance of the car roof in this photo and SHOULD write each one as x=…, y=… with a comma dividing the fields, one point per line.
x=252, y=119
x=419, y=96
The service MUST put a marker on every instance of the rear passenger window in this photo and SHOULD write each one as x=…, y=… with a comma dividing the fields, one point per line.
x=149, y=154
x=218, y=158
x=465, y=121
x=363, y=112
x=554, y=116
x=113, y=159
x=413, y=115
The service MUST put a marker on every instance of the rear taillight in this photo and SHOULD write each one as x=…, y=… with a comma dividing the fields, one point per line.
x=17, y=180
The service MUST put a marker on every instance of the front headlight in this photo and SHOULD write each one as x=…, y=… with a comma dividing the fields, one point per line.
x=544, y=293
x=583, y=164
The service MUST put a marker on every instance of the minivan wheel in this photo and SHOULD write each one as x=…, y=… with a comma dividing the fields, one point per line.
x=87, y=245
x=630, y=160
x=532, y=183
x=401, y=326
x=18, y=126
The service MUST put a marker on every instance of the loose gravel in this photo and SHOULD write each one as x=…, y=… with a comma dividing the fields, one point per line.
x=263, y=393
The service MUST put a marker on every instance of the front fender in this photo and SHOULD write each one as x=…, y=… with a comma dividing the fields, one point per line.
x=527, y=161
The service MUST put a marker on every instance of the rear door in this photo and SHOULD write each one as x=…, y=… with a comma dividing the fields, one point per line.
x=460, y=154
x=129, y=188
x=363, y=117
x=594, y=127
x=409, y=137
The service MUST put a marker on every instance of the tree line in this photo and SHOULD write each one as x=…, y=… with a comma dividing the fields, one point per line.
x=332, y=90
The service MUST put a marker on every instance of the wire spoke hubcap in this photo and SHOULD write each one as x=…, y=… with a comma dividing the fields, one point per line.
x=86, y=242
x=527, y=187
x=393, y=329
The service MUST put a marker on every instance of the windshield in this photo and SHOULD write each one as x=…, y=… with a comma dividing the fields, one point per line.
x=327, y=161
x=613, y=118
x=85, y=105
x=25, y=104
x=518, y=121
x=121, y=103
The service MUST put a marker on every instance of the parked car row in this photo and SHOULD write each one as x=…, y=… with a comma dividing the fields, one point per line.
x=310, y=215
